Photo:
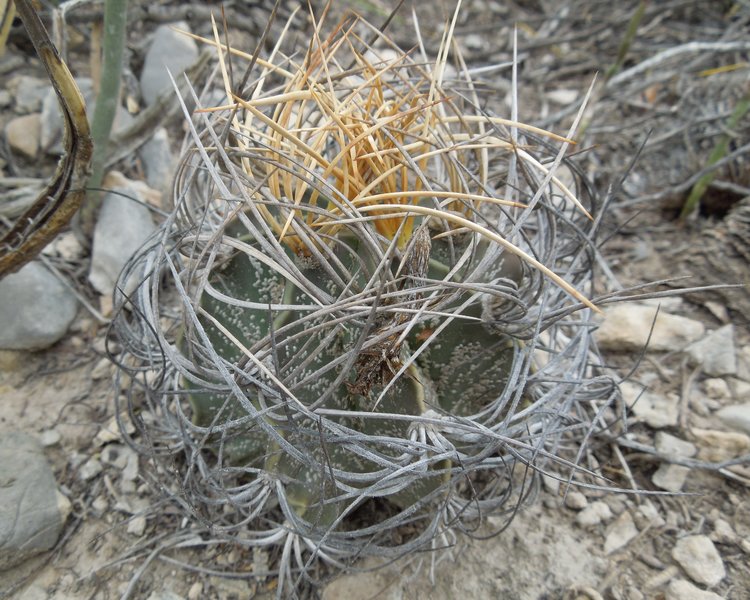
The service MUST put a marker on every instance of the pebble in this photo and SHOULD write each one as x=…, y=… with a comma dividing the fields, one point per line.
x=575, y=500
x=679, y=589
x=100, y=505
x=196, y=591
x=716, y=352
x=647, y=515
x=563, y=96
x=594, y=514
x=673, y=447
x=716, y=388
x=90, y=469
x=49, y=437
x=164, y=595
x=670, y=477
x=137, y=525
x=29, y=92
x=5, y=99
x=36, y=308
x=22, y=135
x=656, y=410
x=170, y=51
x=102, y=369
x=121, y=228
x=620, y=533
x=159, y=163
x=736, y=417
x=723, y=532
x=32, y=510
x=698, y=556
x=626, y=327
x=716, y=446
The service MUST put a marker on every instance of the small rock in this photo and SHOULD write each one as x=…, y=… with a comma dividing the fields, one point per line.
x=66, y=246
x=679, y=589
x=716, y=446
x=575, y=500
x=32, y=511
x=100, y=505
x=551, y=484
x=29, y=92
x=137, y=525
x=102, y=369
x=698, y=556
x=563, y=97
x=49, y=437
x=159, y=162
x=170, y=51
x=670, y=477
x=656, y=410
x=115, y=455
x=475, y=42
x=723, y=532
x=22, y=134
x=196, y=591
x=5, y=99
x=716, y=388
x=715, y=352
x=622, y=531
x=90, y=469
x=626, y=327
x=36, y=308
x=121, y=228
x=648, y=515
x=593, y=514
x=672, y=446
x=736, y=416
x=130, y=472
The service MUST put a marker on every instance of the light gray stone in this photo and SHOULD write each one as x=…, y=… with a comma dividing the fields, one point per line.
x=22, y=135
x=626, y=327
x=716, y=388
x=90, y=469
x=50, y=437
x=170, y=51
x=670, y=477
x=32, y=511
x=36, y=308
x=622, y=531
x=159, y=162
x=575, y=500
x=736, y=416
x=121, y=228
x=29, y=92
x=672, y=446
x=715, y=353
x=593, y=514
x=698, y=556
x=679, y=589
x=656, y=410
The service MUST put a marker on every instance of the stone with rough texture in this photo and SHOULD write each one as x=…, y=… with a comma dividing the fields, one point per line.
x=121, y=229
x=158, y=161
x=29, y=92
x=22, y=134
x=736, y=416
x=32, y=511
x=622, y=531
x=626, y=327
x=716, y=352
x=36, y=308
x=679, y=589
x=593, y=514
x=698, y=556
x=575, y=500
x=716, y=446
x=670, y=477
x=170, y=51
x=657, y=410
x=672, y=446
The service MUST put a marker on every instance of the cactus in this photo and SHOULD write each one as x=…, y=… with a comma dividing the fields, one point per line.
x=364, y=262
